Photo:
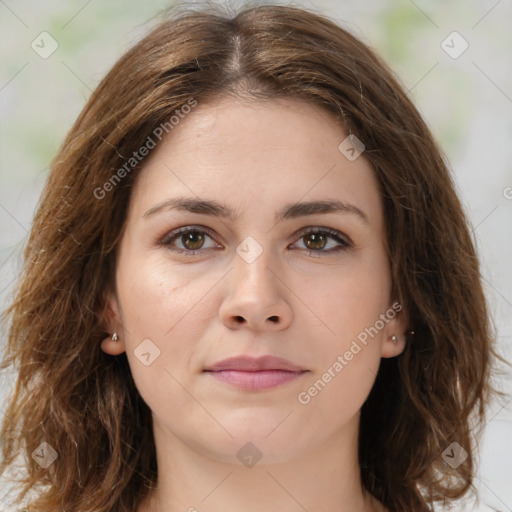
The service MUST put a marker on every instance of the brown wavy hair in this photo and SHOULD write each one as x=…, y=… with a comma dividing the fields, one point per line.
x=84, y=403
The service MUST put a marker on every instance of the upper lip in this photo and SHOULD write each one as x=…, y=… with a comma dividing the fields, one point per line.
x=254, y=364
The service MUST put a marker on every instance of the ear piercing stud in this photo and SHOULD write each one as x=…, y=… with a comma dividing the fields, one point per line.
x=115, y=337
x=394, y=339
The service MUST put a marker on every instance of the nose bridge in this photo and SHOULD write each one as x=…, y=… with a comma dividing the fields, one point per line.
x=254, y=296
x=252, y=267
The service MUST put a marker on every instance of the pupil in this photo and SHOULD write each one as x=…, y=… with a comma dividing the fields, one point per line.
x=193, y=238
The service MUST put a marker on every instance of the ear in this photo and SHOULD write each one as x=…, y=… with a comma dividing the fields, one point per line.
x=395, y=329
x=111, y=321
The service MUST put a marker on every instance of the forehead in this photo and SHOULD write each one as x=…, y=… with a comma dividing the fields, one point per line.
x=258, y=129
x=257, y=152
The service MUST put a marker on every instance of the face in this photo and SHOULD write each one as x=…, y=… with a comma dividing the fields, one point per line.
x=263, y=268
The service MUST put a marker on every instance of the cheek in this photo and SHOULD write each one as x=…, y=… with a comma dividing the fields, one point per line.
x=348, y=357
x=164, y=307
x=347, y=299
x=352, y=304
x=154, y=296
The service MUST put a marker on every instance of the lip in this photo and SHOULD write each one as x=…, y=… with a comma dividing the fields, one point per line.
x=255, y=374
x=255, y=364
x=256, y=381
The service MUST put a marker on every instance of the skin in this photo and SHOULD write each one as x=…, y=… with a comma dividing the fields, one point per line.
x=254, y=157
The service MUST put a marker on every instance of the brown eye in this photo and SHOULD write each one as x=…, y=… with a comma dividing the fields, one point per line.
x=188, y=240
x=315, y=241
x=321, y=240
x=192, y=240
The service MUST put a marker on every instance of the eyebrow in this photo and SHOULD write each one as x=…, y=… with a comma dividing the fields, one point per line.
x=290, y=211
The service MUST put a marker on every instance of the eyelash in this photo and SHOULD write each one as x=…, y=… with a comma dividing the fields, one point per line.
x=345, y=242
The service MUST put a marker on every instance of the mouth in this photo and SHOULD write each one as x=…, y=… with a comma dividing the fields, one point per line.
x=255, y=374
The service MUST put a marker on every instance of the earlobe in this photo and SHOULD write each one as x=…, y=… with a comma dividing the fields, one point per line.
x=393, y=345
x=394, y=336
x=113, y=345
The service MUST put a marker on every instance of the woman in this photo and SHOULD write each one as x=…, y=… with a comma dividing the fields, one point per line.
x=249, y=285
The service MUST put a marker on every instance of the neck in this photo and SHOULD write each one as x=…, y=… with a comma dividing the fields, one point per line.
x=326, y=478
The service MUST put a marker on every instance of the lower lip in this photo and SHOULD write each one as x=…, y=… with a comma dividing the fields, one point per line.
x=255, y=381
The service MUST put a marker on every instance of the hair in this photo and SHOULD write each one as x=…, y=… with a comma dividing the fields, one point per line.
x=84, y=403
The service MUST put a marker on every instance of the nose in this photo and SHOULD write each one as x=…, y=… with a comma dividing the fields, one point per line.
x=255, y=298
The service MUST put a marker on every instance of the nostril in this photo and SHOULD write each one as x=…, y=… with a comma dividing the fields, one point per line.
x=273, y=319
x=239, y=319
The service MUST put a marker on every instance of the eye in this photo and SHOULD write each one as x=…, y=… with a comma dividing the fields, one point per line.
x=192, y=240
x=317, y=239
